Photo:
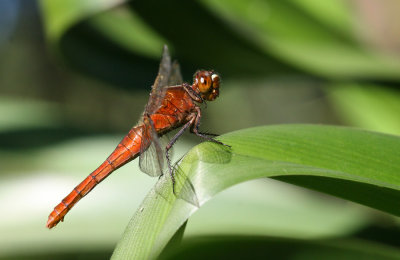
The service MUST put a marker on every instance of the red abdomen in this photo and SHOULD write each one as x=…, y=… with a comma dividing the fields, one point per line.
x=127, y=150
x=176, y=106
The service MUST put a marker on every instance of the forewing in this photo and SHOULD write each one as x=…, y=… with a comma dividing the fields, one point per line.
x=160, y=84
x=152, y=160
x=175, y=77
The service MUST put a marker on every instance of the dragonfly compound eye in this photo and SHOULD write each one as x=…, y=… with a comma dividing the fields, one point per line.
x=208, y=84
x=205, y=83
x=213, y=92
x=215, y=81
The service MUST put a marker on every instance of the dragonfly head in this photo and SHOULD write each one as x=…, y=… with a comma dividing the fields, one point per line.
x=207, y=83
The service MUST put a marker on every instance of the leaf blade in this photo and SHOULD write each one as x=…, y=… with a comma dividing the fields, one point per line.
x=333, y=153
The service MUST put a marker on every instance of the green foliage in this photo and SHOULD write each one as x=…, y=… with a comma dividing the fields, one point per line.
x=295, y=61
x=267, y=247
x=353, y=164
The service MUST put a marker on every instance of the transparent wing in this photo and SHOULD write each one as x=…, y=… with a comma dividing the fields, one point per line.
x=152, y=160
x=186, y=181
x=187, y=191
x=160, y=84
x=175, y=77
x=184, y=188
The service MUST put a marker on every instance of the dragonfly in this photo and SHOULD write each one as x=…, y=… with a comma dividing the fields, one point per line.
x=172, y=105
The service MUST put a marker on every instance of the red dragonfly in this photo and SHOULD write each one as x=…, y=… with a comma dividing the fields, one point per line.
x=172, y=105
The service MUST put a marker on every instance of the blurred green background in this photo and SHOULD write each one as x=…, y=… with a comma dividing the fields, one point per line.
x=75, y=76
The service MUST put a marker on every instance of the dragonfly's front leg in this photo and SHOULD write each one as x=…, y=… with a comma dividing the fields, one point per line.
x=193, y=94
x=195, y=130
x=171, y=143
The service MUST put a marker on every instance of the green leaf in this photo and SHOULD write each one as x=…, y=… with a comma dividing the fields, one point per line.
x=353, y=164
x=369, y=106
x=120, y=42
x=308, y=35
x=241, y=247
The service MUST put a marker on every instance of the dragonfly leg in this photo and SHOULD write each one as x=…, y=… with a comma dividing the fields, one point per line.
x=193, y=94
x=169, y=146
x=195, y=130
x=208, y=134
